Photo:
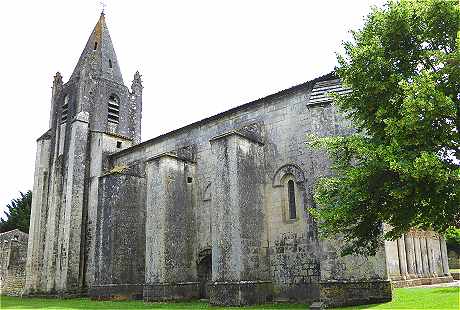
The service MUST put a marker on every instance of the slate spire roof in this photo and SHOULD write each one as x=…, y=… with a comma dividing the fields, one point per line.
x=99, y=54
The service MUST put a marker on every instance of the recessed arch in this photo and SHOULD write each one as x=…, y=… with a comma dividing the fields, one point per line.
x=291, y=169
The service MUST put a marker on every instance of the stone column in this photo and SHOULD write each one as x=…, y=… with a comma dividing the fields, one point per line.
x=237, y=221
x=418, y=256
x=402, y=257
x=170, y=267
x=425, y=265
x=429, y=251
x=445, y=262
x=410, y=255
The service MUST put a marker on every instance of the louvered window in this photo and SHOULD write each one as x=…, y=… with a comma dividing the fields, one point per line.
x=65, y=109
x=114, y=109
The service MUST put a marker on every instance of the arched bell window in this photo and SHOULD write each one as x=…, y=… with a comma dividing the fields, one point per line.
x=114, y=109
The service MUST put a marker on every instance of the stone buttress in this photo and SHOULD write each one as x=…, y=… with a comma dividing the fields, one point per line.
x=217, y=209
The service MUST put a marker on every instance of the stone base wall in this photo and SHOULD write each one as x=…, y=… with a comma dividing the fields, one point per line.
x=116, y=292
x=13, y=254
x=62, y=295
x=171, y=291
x=421, y=281
x=338, y=294
x=454, y=259
x=240, y=293
x=297, y=293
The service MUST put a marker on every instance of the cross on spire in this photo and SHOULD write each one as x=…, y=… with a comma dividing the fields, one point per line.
x=103, y=5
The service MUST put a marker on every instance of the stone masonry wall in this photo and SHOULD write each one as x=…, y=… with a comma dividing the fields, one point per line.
x=282, y=122
x=13, y=254
x=120, y=237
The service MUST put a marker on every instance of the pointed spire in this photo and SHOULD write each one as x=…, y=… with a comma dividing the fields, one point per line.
x=99, y=55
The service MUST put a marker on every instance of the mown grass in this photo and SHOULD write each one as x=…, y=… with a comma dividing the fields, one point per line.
x=403, y=298
x=442, y=298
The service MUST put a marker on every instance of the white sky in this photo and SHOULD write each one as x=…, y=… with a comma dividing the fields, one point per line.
x=197, y=58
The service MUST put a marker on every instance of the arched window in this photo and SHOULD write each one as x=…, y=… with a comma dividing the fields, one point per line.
x=110, y=63
x=114, y=109
x=95, y=45
x=291, y=200
x=65, y=109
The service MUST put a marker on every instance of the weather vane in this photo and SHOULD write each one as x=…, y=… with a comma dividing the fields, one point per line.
x=103, y=5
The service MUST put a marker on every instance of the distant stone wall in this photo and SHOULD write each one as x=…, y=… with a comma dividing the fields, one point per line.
x=454, y=260
x=13, y=254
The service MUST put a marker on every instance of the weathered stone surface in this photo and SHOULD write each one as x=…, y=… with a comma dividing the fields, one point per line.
x=120, y=236
x=238, y=217
x=215, y=209
x=13, y=254
x=344, y=293
x=170, y=229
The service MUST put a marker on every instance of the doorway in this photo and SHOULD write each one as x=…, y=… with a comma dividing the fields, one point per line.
x=204, y=272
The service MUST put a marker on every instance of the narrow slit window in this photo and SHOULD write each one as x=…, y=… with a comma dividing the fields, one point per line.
x=65, y=109
x=95, y=45
x=114, y=109
x=110, y=63
x=291, y=197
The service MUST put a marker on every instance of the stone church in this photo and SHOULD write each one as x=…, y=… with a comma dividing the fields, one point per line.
x=213, y=210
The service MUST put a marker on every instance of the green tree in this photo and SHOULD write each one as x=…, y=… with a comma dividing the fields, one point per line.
x=452, y=236
x=18, y=214
x=401, y=167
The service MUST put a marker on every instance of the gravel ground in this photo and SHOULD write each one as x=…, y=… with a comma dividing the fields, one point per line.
x=451, y=284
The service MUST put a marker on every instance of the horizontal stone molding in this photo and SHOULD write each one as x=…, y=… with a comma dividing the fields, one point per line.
x=170, y=155
x=237, y=133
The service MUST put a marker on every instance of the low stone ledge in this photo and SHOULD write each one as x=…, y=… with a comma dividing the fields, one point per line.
x=116, y=292
x=56, y=295
x=240, y=293
x=421, y=281
x=351, y=293
x=171, y=291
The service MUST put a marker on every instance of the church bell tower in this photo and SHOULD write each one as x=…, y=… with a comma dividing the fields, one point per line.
x=92, y=116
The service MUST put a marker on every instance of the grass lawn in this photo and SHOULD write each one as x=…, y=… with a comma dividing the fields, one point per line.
x=454, y=270
x=404, y=298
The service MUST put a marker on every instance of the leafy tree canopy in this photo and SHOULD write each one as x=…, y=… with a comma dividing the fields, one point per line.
x=18, y=214
x=452, y=236
x=401, y=167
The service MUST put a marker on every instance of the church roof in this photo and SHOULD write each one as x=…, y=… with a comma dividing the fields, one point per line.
x=309, y=84
x=99, y=54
